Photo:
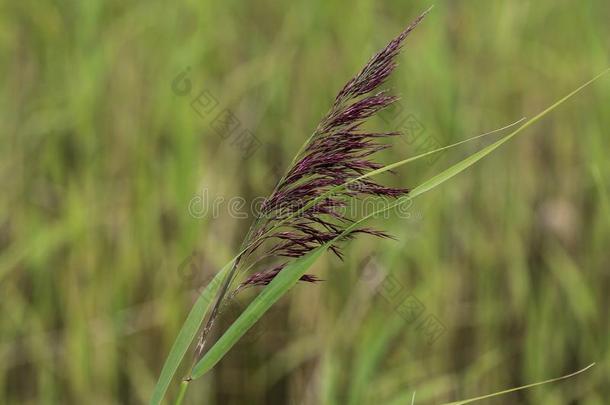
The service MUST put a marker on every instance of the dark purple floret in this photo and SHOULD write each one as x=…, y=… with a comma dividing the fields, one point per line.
x=265, y=277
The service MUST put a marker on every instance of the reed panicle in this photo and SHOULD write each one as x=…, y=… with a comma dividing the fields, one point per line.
x=302, y=214
x=337, y=152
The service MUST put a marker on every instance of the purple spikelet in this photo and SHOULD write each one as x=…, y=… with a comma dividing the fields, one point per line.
x=265, y=277
x=338, y=151
x=377, y=70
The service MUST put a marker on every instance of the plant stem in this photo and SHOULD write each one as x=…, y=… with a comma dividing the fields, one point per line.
x=181, y=394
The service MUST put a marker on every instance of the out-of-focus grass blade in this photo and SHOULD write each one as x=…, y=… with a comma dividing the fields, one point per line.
x=186, y=335
x=291, y=273
x=495, y=394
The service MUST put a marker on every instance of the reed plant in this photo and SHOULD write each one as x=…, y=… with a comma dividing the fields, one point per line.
x=303, y=217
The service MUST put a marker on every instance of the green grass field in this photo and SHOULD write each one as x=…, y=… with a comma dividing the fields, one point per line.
x=108, y=158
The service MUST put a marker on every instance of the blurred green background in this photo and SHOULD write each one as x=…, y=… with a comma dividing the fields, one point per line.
x=101, y=158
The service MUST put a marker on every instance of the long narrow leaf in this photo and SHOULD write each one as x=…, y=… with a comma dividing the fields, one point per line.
x=475, y=157
x=287, y=278
x=291, y=273
x=382, y=170
x=495, y=394
x=185, y=336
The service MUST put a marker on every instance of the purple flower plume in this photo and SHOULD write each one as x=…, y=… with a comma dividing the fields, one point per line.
x=339, y=151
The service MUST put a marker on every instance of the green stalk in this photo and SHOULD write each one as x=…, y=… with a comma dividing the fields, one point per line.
x=182, y=393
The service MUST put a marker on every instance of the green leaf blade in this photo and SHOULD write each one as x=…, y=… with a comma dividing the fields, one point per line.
x=285, y=280
x=504, y=392
x=185, y=336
